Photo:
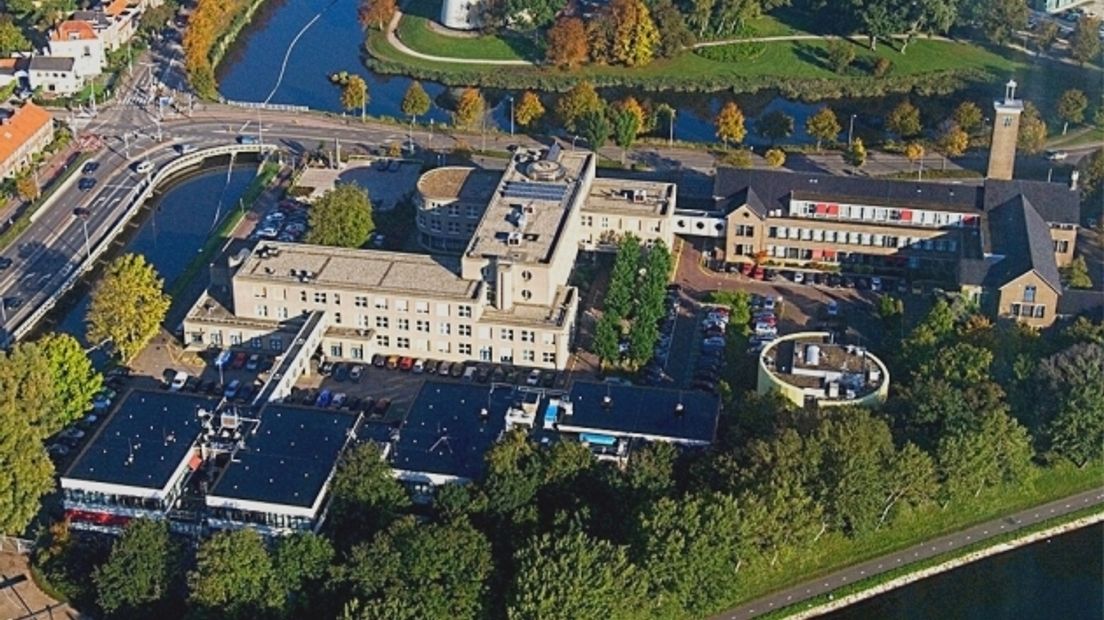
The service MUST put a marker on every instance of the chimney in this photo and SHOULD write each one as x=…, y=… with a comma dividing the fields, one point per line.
x=1074, y=177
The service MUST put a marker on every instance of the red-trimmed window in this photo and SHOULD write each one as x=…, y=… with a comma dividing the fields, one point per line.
x=833, y=209
x=906, y=215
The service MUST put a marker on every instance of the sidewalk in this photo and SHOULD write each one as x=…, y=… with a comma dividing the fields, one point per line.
x=48, y=174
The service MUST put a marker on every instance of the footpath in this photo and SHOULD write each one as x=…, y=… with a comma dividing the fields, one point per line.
x=929, y=549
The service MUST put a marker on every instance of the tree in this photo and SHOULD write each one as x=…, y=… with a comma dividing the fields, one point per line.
x=26, y=186
x=776, y=158
x=626, y=125
x=1071, y=108
x=1033, y=130
x=776, y=125
x=996, y=19
x=1073, y=402
x=1085, y=42
x=354, y=94
x=674, y=35
x=571, y=576
x=1076, y=274
x=470, y=110
x=1092, y=174
x=412, y=571
x=366, y=497
x=342, y=217
x=911, y=480
x=575, y=103
x=953, y=142
x=636, y=37
x=999, y=451
x=27, y=474
x=701, y=13
x=234, y=577
x=595, y=128
x=300, y=564
x=856, y=153
x=141, y=572
x=968, y=116
x=376, y=13
x=11, y=38
x=730, y=124
x=607, y=337
x=127, y=306
x=529, y=109
x=622, y=283
x=929, y=16
x=416, y=101
x=567, y=43
x=689, y=552
x=904, y=120
x=855, y=449
x=75, y=382
x=841, y=53
x=914, y=152
x=823, y=126
x=633, y=107
x=1046, y=35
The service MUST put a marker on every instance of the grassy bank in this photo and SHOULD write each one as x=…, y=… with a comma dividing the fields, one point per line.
x=23, y=220
x=798, y=69
x=886, y=577
x=227, y=226
x=228, y=36
x=834, y=552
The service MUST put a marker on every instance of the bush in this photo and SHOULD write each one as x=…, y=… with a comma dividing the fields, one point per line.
x=882, y=67
x=732, y=53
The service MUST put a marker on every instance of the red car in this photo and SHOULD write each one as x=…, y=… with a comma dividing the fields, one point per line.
x=758, y=273
x=406, y=363
x=239, y=360
x=745, y=268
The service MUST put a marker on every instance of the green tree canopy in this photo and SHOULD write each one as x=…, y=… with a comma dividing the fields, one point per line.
x=1071, y=107
x=342, y=217
x=366, y=497
x=904, y=120
x=823, y=126
x=27, y=473
x=127, y=306
x=968, y=116
x=11, y=38
x=776, y=125
x=571, y=576
x=416, y=101
x=75, y=381
x=626, y=125
x=1085, y=42
x=234, y=577
x=139, y=577
x=1074, y=402
x=575, y=103
x=595, y=128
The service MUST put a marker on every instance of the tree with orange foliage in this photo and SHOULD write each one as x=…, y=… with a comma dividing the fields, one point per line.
x=567, y=43
x=376, y=13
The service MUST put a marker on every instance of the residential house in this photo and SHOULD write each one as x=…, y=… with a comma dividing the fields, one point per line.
x=24, y=131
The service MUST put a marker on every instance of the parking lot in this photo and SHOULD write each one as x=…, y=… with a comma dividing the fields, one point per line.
x=387, y=181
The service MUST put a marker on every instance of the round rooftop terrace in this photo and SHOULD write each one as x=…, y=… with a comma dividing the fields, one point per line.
x=810, y=367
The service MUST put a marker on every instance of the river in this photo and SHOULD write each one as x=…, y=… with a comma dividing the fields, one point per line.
x=171, y=230
x=1060, y=578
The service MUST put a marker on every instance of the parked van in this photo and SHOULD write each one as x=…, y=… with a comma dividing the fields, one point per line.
x=184, y=149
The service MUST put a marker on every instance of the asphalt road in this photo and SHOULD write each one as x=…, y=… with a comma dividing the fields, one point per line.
x=927, y=549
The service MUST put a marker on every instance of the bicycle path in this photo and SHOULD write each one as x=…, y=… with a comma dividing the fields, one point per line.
x=928, y=549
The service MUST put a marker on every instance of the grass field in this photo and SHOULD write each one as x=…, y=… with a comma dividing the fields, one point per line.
x=414, y=30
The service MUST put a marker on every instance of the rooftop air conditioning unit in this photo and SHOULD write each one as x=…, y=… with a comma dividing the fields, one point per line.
x=513, y=238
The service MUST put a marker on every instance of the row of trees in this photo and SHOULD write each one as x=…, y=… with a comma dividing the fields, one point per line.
x=634, y=302
x=206, y=24
x=551, y=533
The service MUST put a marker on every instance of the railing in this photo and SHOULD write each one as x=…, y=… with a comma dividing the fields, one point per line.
x=137, y=198
x=275, y=107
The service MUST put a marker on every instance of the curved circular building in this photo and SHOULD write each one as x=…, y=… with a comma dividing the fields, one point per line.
x=461, y=14
x=450, y=202
x=810, y=368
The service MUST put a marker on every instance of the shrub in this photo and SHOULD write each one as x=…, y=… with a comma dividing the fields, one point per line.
x=882, y=67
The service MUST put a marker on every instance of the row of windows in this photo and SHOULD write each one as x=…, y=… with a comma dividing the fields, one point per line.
x=235, y=339
x=629, y=225
x=453, y=210
x=463, y=311
x=862, y=238
x=453, y=228
x=1028, y=311
x=486, y=353
x=881, y=214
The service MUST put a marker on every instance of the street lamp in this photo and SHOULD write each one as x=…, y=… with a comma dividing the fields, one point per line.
x=850, y=129
x=511, y=115
x=671, y=127
x=573, y=139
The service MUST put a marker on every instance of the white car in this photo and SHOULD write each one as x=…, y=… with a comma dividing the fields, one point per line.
x=1056, y=155
x=799, y=277
x=143, y=166
x=179, y=379
x=533, y=378
x=876, y=284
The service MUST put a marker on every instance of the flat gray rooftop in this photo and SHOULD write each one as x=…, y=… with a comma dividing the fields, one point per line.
x=360, y=270
x=529, y=208
x=631, y=197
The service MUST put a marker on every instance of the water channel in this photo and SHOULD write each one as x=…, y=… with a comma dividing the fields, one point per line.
x=170, y=231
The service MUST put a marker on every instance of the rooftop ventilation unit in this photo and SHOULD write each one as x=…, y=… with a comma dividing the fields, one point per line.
x=513, y=238
x=545, y=170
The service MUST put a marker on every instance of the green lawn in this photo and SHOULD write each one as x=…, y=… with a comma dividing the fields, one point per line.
x=776, y=64
x=835, y=551
x=1076, y=137
x=414, y=30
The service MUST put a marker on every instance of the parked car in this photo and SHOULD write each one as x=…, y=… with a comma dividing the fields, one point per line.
x=392, y=362
x=239, y=360
x=548, y=379
x=90, y=167
x=324, y=398
x=253, y=363
x=57, y=450
x=247, y=140
x=457, y=370
x=185, y=149
x=191, y=385
x=340, y=371
x=379, y=360
x=381, y=406
x=356, y=371
x=339, y=399
x=876, y=284
x=431, y=367
x=231, y=390
x=245, y=394
x=418, y=367
x=444, y=368
x=1057, y=155
x=533, y=378
x=482, y=373
x=799, y=277
x=406, y=363
x=178, y=381
x=469, y=373
x=832, y=309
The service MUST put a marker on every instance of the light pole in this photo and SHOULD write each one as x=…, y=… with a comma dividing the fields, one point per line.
x=671, y=127
x=850, y=129
x=430, y=145
x=511, y=115
x=573, y=139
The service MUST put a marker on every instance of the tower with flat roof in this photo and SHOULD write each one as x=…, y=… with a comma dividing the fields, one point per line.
x=1006, y=129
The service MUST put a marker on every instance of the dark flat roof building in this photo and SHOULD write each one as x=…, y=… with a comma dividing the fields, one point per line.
x=652, y=414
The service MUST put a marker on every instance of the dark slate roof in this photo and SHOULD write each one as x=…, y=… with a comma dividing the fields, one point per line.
x=642, y=411
x=1019, y=234
x=444, y=432
x=143, y=441
x=289, y=458
x=1089, y=304
x=1056, y=203
x=773, y=189
x=52, y=63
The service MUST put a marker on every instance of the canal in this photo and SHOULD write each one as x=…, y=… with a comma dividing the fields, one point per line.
x=1056, y=578
x=168, y=232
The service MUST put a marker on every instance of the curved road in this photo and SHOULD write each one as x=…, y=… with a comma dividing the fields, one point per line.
x=936, y=546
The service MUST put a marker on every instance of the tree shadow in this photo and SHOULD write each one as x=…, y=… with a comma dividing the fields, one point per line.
x=812, y=55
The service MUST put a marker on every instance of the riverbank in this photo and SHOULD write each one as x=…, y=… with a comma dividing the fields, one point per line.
x=924, y=570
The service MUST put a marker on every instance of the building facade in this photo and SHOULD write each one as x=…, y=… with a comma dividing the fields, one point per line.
x=811, y=368
x=24, y=131
x=77, y=39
